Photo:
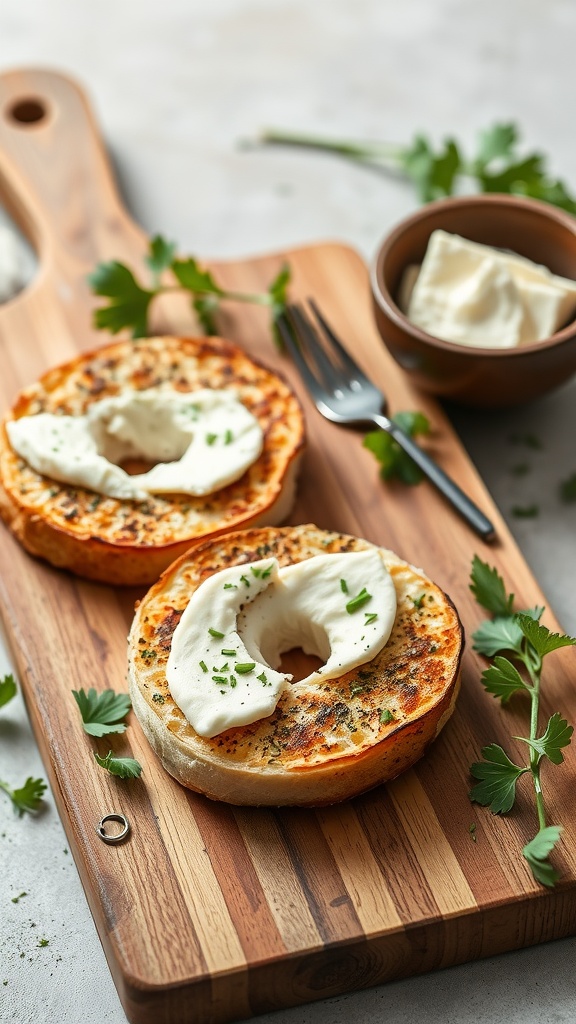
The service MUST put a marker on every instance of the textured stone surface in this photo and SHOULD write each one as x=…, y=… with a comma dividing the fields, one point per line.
x=177, y=88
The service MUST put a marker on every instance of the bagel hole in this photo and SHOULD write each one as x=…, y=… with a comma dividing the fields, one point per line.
x=299, y=664
x=136, y=466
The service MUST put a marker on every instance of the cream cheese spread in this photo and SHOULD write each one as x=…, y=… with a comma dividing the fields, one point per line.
x=200, y=441
x=475, y=295
x=223, y=665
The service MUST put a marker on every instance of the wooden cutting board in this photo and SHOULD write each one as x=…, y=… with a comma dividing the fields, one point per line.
x=210, y=913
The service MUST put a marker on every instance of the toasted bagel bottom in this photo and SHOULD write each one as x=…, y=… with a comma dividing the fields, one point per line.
x=327, y=743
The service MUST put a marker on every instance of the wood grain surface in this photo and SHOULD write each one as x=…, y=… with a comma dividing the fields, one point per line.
x=210, y=913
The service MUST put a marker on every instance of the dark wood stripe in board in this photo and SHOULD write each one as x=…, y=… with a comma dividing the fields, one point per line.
x=245, y=899
x=403, y=875
x=314, y=864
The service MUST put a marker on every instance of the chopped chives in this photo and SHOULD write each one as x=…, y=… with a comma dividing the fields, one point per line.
x=244, y=666
x=232, y=681
x=245, y=580
x=343, y=586
x=255, y=572
x=230, y=586
x=220, y=679
x=370, y=617
x=225, y=652
x=203, y=666
x=216, y=633
x=228, y=437
x=224, y=668
x=386, y=716
x=210, y=438
x=356, y=602
x=262, y=678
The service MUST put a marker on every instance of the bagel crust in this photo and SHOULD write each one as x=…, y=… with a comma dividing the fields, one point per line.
x=132, y=542
x=322, y=744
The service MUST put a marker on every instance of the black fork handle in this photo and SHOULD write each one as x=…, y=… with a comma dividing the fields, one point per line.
x=467, y=509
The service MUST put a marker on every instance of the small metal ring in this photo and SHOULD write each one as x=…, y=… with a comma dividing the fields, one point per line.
x=115, y=837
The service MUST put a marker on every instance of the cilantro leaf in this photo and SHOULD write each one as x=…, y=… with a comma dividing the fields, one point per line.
x=278, y=291
x=558, y=735
x=205, y=307
x=548, y=190
x=278, y=296
x=488, y=588
x=102, y=713
x=123, y=767
x=433, y=173
x=498, y=777
x=502, y=679
x=7, y=689
x=193, y=278
x=542, y=640
x=160, y=255
x=536, y=853
x=495, y=142
x=27, y=797
x=499, y=634
x=394, y=462
x=129, y=302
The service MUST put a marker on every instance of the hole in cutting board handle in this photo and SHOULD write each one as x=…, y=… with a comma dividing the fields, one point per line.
x=27, y=111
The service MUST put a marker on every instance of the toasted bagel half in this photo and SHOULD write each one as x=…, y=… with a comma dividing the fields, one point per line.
x=323, y=743
x=131, y=542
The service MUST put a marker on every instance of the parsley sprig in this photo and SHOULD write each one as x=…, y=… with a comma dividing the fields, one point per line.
x=129, y=300
x=525, y=643
x=28, y=797
x=497, y=165
x=394, y=462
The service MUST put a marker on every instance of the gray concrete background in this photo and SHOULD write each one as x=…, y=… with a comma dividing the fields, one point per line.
x=177, y=86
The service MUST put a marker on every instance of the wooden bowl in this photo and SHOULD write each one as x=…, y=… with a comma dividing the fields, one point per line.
x=482, y=377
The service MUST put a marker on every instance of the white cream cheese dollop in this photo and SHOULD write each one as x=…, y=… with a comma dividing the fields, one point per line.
x=200, y=441
x=222, y=669
x=476, y=295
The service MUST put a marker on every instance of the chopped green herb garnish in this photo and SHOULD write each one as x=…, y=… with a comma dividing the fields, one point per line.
x=357, y=602
x=525, y=511
x=245, y=580
x=418, y=601
x=223, y=668
x=370, y=617
x=233, y=681
x=230, y=586
x=343, y=586
x=215, y=633
x=210, y=438
x=243, y=667
x=203, y=666
x=228, y=437
x=227, y=653
x=255, y=571
x=220, y=679
x=267, y=572
x=262, y=678
x=386, y=716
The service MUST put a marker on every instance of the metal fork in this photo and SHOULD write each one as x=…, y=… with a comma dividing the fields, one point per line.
x=343, y=394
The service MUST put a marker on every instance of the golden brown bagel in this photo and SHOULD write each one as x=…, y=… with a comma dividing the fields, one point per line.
x=380, y=717
x=130, y=542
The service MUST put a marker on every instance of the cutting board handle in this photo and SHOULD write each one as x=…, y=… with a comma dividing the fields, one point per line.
x=55, y=177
